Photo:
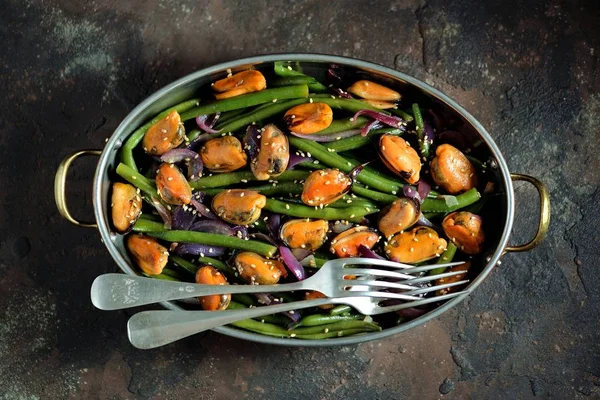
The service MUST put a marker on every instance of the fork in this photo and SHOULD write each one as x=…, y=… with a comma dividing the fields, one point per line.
x=151, y=329
x=118, y=291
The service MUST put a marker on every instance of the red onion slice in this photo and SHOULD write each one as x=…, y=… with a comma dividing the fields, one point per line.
x=315, y=137
x=201, y=121
x=295, y=159
x=164, y=214
x=197, y=249
x=212, y=226
x=390, y=120
x=369, y=127
x=368, y=253
x=293, y=265
x=190, y=157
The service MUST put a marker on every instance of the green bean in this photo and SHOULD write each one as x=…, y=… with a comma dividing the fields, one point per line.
x=287, y=71
x=348, y=201
x=214, y=239
x=146, y=226
x=172, y=273
x=247, y=301
x=259, y=114
x=292, y=80
x=221, y=266
x=421, y=136
x=150, y=217
x=242, y=300
x=193, y=134
x=183, y=264
x=373, y=194
x=232, y=178
x=289, y=188
x=229, y=115
x=311, y=165
x=321, y=153
x=446, y=257
x=136, y=137
x=441, y=204
x=302, y=211
x=323, y=319
x=341, y=125
x=336, y=329
x=341, y=309
x=354, y=142
x=319, y=262
x=402, y=114
x=350, y=105
x=247, y=100
x=136, y=179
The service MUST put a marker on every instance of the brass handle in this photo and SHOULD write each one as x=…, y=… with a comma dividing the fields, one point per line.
x=544, y=214
x=60, y=180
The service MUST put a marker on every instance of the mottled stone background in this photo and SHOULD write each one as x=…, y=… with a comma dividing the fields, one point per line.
x=529, y=71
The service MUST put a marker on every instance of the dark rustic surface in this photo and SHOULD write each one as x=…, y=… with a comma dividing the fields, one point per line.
x=71, y=70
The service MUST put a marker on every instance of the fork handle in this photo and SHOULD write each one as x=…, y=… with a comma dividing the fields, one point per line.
x=150, y=329
x=119, y=291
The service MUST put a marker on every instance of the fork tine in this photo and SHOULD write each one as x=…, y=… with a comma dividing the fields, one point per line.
x=394, y=264
x=428, y=278
x=357, y=285
x=386, y=309
x=408, y=279
x=376, y=272
x=383, y=284
x=425, y=268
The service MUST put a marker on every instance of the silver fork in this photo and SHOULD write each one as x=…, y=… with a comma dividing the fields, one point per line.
x=118, y=291
x=151, y=329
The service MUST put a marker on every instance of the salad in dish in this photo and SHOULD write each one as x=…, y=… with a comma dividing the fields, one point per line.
x=270, y=173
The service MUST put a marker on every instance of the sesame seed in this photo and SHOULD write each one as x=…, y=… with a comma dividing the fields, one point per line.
x=326, y=330
x=133, y=177
x=412, y=249
x=310, y=100
x=293, y=335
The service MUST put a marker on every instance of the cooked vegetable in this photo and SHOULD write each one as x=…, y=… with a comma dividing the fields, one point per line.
x=399, y=216
x=325, y=186
x=308, y=118
x=258, y=270
x=240, y=83
x=305, y=233
x=238, y=206
x=126, y=206
x=397, y=154
x=172, y=185
x=208, y=275
x=416, y=245
x=347, y=243
x=328, y=213
x=164, y=135
x=451, y=170
x=424, y=133
x=224, y=154
x=209, y=207
x=272, y=154
x=464, y=229
x=147, y=253
x=247, y=100
x=373, y=91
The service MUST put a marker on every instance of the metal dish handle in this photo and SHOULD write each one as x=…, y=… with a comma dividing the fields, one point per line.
x=60, y=180
x=544, y=214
